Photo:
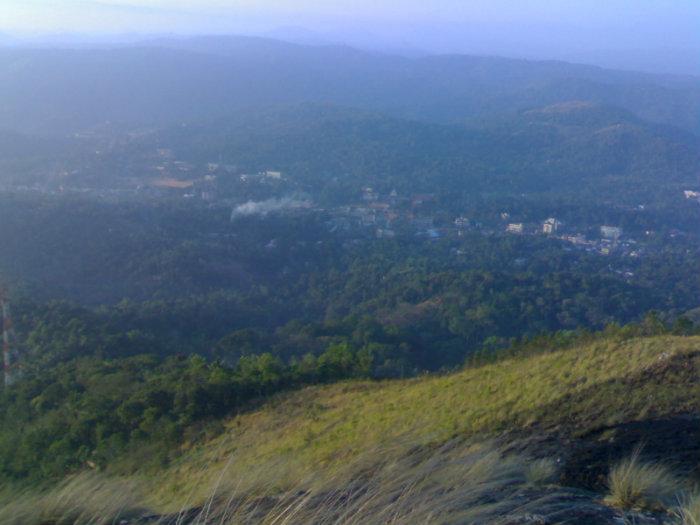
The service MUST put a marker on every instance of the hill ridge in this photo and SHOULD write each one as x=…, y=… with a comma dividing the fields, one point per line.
x=565, y=394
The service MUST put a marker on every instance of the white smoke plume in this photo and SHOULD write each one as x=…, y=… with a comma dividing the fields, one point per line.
x=269, y=206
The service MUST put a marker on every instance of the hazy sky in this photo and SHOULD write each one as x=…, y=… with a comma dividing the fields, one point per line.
x=543, y=28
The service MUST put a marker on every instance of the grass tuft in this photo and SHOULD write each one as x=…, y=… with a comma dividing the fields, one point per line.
x=636, y=484
x=689, y=510
x=542, y=471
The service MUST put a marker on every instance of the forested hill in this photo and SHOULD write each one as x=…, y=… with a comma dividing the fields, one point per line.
x=570, y=147
x=162, y=82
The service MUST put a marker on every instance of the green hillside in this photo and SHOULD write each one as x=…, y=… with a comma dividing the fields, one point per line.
x=569, y=393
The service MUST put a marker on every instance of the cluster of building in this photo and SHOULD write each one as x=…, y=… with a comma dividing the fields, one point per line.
x=549, y=226
x=609, y=240
x=198, y=181
x=262, y=175
x=385, y=215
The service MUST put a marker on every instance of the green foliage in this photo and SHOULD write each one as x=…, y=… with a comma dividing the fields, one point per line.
x=93, y=410
x=171, y=279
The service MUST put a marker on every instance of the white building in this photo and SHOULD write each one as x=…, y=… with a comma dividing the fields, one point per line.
x=515, y=227
x=461, y=222
x=550, y=226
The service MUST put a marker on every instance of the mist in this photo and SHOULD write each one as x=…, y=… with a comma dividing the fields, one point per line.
x=655, y=36
x=263, y=208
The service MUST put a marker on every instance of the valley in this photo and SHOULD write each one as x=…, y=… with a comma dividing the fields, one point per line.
x=250, y=281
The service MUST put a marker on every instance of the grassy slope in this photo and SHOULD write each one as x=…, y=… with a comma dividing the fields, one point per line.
x=322, y=429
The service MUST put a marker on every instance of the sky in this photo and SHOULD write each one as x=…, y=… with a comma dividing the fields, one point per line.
x=657, y=33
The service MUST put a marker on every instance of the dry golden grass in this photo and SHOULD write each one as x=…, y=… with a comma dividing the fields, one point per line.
x=541, y=471
x=689, y=510
x=86, y=499
x=636, y=484
x=456, y=483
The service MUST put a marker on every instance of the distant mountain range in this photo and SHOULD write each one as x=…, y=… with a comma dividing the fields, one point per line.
x=168, y=81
